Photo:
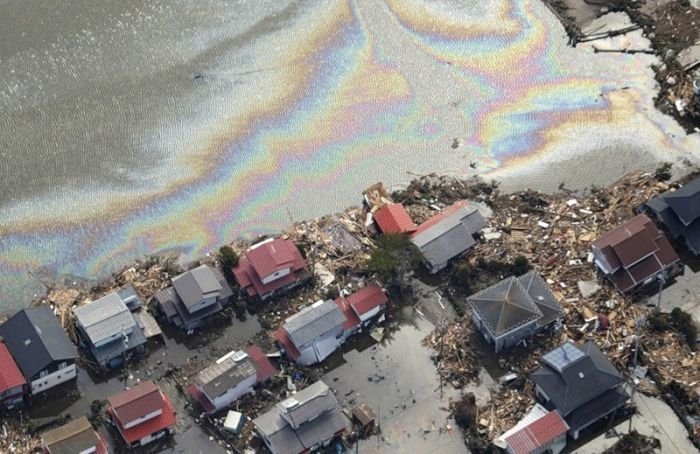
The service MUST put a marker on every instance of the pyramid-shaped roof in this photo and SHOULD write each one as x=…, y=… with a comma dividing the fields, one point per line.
x=504, y=306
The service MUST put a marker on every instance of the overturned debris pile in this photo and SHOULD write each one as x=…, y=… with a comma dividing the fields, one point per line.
x=17, y=438
x=457, y=361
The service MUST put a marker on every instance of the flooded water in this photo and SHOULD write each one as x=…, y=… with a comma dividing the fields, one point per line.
x=132, y=128
x=175, y=351
x=399, y=381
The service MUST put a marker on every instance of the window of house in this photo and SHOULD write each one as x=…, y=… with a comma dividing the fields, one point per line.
x=43, y=373
x=63, y=365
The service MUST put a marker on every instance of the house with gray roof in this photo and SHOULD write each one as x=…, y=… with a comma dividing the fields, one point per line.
x=311, y=335
x=221, y=383
x=40, y=347
x=109, y=330
x=580, y=383
x=513, y=309
x=447, y=235
x=305, y=422
x=194, y=296
x=679, y=213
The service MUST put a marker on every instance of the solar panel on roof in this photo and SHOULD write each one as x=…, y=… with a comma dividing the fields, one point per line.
x=563, y=356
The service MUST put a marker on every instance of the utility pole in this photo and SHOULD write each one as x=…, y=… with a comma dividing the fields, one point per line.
x=662, y=280
x=638, y=325
x=442, y=343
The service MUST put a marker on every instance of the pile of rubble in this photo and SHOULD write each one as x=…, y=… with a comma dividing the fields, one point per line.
x=554, y=232
x=16, y=438
x=456, y=359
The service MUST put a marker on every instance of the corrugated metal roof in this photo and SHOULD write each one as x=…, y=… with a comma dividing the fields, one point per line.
x=219, y=377
x=537, y=434
x=367, y=298
x=271, y=256
x=10, y=375
x=394, y=218
x=194, y=284
x=263, y=366
x=76, y=436
x=104, y=318
x=164, y=420
x=313, y=321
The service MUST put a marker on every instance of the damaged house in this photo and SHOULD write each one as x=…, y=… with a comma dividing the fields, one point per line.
x=442, y=237
x=109, y=330
x=362, y=308
x=269, y=267
x=305, y=422
x=230, y=377
x=580, y=383
x=514, y=309
x=311, y=335
x=194, y=296
x=679, y=213
x=76, y=436
x=634, y=254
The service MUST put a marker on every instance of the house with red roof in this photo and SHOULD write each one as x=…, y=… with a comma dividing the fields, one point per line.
x=269, y=267
x=141, y=414
x=13, y=386
x=362, y=308
x=635, y=254
x=220, y=384
x=538, y=432
x=393, y=218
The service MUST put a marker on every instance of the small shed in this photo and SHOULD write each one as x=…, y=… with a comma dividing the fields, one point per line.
x=363, y=416
x=233, y=422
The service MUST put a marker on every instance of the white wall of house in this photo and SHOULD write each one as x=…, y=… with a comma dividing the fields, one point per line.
x=319, y=349
x=149, y=438
x=367, y=316
x=89, y=450
x=202, y=304
x=276, y=275
x=234, y=393
x=143, y=418
x=41, y=384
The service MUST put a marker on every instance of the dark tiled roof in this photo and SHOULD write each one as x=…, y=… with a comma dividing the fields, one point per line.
x=636, y=251
x=583, y=379
x=685, y=207
x=36, y=339
x=597, y=408
x=394, y=218
x=685, y=201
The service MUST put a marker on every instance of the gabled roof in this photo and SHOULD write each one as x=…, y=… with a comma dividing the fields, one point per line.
x=635, y=251
x=263, y=366
x=367, y=298
x=192, y=285
x=313, y=321
x=351, y=318
x=36, y=339
x=309, y=417
x=394, y=218
x=164, y=420
x=136, y=402
x=685, y=201
x=274, y=255
x=504, y=306
x=453, y=213
x=73, y=437
x=537, y=434
x=10, y=375
x=104, y=318
x=573, y=375
x=448, y=233
x=225, y=374
x=289, y=347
